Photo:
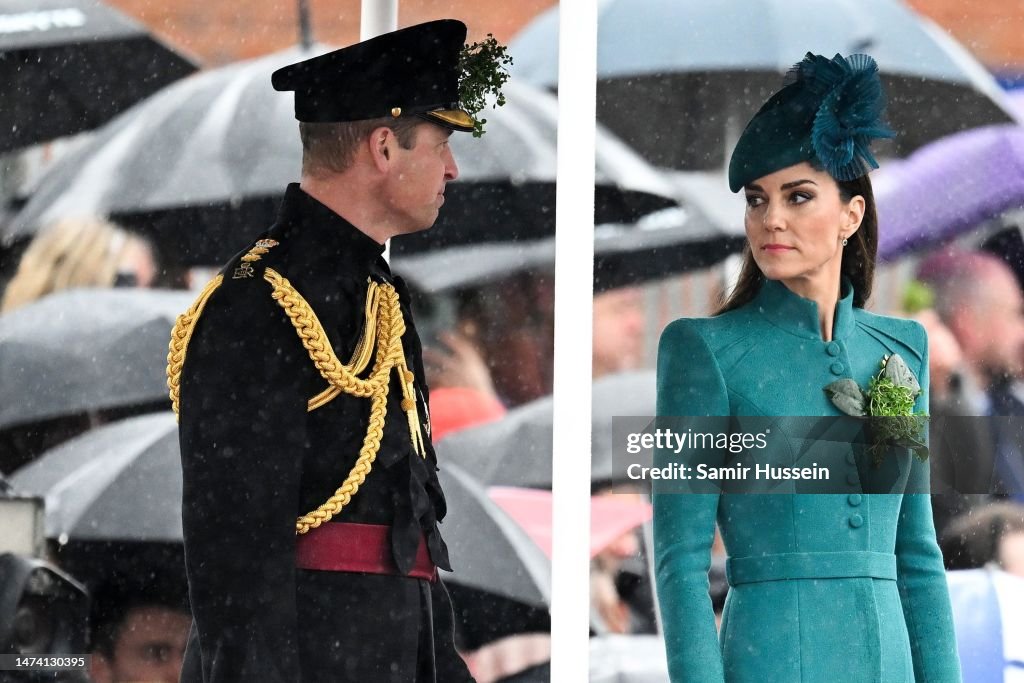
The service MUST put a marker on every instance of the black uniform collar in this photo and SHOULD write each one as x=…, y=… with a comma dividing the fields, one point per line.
x=335, y=237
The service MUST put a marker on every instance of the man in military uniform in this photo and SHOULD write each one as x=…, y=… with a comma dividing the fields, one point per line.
x=311, y=500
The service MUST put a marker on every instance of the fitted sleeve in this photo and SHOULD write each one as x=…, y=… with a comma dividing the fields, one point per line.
x=242, y=431
x=690, y=384
x=921, y=576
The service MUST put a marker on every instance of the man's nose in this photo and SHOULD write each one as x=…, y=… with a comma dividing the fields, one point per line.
x=451, y=169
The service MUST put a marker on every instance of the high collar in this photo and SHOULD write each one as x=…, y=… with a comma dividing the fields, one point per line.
x=334, y=237
x=798, y=315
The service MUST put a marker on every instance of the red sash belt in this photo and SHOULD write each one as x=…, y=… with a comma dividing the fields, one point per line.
x=365, y=548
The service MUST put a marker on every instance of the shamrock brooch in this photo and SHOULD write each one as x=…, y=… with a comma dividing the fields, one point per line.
x=890, y=397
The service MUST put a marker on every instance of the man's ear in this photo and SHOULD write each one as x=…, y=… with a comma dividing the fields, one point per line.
x=382, y=143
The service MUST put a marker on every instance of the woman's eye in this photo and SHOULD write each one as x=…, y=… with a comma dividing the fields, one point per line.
x=800, y=197
x=754, y=201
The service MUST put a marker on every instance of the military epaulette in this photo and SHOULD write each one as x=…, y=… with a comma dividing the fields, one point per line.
x=244, y=269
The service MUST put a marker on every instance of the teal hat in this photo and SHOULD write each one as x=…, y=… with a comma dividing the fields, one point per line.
x=827, y=113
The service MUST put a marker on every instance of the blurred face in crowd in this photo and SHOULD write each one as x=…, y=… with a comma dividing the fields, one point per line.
x=990, y=326
x=618, y=330
x=149, y=646
x=795, y=223
x=417, y=178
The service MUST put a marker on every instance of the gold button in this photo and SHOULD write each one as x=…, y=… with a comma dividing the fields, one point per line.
x=396, y=111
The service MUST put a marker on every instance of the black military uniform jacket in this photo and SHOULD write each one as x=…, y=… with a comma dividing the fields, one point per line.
x=254, y=460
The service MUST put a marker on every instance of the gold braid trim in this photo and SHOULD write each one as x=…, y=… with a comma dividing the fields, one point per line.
x=314, y=338
x=389, y=329
x=363, y=351
x=180, y=336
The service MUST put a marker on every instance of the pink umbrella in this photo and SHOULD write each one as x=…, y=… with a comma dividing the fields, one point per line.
x=611, y=516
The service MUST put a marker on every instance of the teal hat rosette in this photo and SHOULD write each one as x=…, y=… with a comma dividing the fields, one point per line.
x=827, y=113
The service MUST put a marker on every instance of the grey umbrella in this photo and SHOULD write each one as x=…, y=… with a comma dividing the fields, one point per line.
x=694, y=73
x=122, y=482
x=202, y=164
x=71, y=65
x=83, y=350
x=516, y=450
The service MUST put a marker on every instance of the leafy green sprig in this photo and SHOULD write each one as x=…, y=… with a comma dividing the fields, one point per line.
x=483, y=66
x=890, y=397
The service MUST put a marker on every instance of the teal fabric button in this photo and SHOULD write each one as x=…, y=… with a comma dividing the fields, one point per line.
x=852, y=478
x=832, y=349
x=856, y=521
x=837, y=368
x=854, y=499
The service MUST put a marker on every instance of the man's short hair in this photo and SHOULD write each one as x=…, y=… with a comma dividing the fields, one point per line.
x=331, y=147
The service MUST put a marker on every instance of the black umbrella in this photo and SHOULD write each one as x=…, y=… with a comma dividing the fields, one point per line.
x=122, y=482
x=71, y=65
x=202, y=164
x=516, y=450
x=694, y=73
x=84, y=350
x=663, y=243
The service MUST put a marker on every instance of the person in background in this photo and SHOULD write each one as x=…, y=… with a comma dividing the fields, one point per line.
x=962, y=446
x=79, y=252
x=618, y=330
x=979, y=299
x=139, y=629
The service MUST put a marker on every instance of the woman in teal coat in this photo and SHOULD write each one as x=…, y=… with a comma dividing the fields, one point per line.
x=823, y=587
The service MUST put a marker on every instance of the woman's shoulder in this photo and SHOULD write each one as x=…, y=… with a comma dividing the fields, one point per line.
x=902, y=332
x=718, y=332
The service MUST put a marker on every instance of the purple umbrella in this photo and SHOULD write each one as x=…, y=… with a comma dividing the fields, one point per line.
x=948, y=187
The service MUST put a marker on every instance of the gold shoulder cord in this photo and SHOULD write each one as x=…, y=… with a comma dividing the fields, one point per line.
x=383, y=328
x=180, y=336
x=387, y=327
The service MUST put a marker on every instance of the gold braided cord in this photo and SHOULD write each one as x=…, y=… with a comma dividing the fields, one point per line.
x=389, y=329
x=315, y=340
x=180, y=336
x=363, y=351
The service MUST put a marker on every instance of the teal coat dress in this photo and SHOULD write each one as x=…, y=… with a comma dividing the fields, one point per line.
x=823, y=587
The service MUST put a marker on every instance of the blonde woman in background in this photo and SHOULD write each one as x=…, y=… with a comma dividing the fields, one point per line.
x=79, y=252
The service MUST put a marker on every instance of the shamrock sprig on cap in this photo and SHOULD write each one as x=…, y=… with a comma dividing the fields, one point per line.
x=890, y=396
x=483, y=65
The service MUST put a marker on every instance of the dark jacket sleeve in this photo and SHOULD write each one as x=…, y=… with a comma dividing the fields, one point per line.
x=242, y=431
x=921, y=577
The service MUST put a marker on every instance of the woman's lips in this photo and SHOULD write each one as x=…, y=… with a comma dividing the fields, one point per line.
x=776, y=248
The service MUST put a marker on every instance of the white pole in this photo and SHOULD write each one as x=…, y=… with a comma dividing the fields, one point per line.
x=574, y=280
x=377, y=17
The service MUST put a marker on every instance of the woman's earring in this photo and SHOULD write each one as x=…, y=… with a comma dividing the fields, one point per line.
x=845, y=241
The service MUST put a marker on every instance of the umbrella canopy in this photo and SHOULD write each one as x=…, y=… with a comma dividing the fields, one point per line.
x=87, y=349
x=122, y=482
x=663, y=243
x=949, y=187
x=516, y=450
x=694, y=73
x=71, y=65
x=201, y=165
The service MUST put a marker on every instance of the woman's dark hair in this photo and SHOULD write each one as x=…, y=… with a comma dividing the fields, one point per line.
x=858, y=256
